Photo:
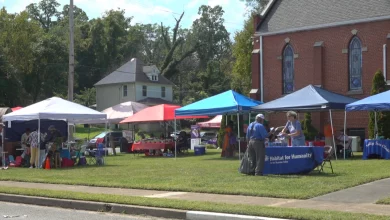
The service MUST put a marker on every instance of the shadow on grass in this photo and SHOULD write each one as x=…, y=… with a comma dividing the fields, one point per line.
x=223, y=158
x=190, y=154
x=86, y=167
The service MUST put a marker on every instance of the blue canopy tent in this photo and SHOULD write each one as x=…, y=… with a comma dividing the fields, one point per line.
x=229, y=102
x=378, y=102
x=307, y=99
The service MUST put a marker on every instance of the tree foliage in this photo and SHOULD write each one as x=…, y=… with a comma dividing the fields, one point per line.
x=86, y=97
x=383, y=118
x=34, y=52
x=309, y=130
x=242, y=72
x=256, y=5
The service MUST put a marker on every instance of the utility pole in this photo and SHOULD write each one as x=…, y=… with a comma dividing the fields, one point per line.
x=71, y=64
x=71, y=53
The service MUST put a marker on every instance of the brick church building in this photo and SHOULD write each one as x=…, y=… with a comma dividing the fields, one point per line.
x=337, y=45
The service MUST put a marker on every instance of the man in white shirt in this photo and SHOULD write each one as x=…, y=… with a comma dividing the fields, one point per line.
x=340, y=141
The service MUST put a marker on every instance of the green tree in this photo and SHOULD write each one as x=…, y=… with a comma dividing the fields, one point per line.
x=179, y=46
x=213, y=53
x=383, y=118
x=256, y=5
x=308, y=129
x=211, y=35
x=242, y=47
x=87, y=97
x=43, y=12
x=49, y=72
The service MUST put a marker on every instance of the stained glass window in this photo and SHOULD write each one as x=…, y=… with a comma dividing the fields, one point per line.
x=355, y=64
x=288, y=70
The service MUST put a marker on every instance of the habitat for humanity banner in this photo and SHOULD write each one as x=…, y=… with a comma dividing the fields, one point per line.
x=292, y=160
x=287, y=158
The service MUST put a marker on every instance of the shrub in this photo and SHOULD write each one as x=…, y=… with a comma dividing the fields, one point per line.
x=309, y=130
x=383, y=118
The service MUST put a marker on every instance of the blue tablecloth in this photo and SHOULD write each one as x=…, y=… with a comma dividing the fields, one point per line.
x=292, y=160
x=378, y=147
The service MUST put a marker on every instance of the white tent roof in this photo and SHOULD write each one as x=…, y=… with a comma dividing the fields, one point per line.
x=56, y=109
x=117, y=113
x=212, y=123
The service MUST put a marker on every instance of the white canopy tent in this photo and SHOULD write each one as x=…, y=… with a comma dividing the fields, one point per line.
x=213, y=123
x=55, y=109
x=118, y=113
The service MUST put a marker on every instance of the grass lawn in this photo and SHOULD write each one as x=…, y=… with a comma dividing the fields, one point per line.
x=384, y=201
x=89, y=133
x=83, y=133
x=209, y=173
x=264, y=211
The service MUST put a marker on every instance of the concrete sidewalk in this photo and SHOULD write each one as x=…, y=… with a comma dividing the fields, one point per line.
x=357, y=206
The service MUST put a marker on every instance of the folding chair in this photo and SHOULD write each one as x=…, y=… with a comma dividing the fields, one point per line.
x=90, y=157
x=80, y=155
x=348, y=149
x=328, y=153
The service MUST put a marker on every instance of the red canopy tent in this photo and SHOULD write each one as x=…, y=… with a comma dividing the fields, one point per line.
x=213, y=123
x=157, y=113
x=16, y=108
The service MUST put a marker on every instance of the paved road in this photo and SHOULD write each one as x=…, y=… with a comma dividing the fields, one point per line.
x=14, y=211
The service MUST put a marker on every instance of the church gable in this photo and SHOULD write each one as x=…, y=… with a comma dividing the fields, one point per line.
x=285, y=15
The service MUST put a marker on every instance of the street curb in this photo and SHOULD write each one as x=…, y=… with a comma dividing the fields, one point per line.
x=195, y=215
x=124, y=209
x=95, y=206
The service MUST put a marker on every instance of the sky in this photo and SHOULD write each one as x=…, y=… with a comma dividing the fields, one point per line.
x=151, y=11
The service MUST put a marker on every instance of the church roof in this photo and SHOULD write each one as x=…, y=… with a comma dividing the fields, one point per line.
x=289, y=15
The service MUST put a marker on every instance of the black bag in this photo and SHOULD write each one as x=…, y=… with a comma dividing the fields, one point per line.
x=246, y=165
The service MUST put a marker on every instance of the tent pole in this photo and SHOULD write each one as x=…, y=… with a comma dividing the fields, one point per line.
x=175, y=137
x=89, y=130
x=345, y=127
x=133, y=132
x=69, y=129
x=2, y=146
x=106, y=138
x=39, y=144
x=331, y=125
x=239, y=136
x=376, y=127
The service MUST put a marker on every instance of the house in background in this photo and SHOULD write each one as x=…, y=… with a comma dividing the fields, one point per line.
x=338, y=45
x=133, y=82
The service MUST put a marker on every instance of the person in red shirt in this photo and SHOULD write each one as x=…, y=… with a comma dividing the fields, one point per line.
x=328, y=134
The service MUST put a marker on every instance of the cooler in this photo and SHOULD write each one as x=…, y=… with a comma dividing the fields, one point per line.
x=199, y=150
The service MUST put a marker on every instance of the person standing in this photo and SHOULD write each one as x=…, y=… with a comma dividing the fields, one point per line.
x=328, y=134
x=112, y=143
x=228, y=140
x=295, y=129
x=256, y=135
x=34, y=145
x=25, y=144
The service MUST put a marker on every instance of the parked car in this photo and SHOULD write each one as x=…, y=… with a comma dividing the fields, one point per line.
x=102, y=137
x=207, y=135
